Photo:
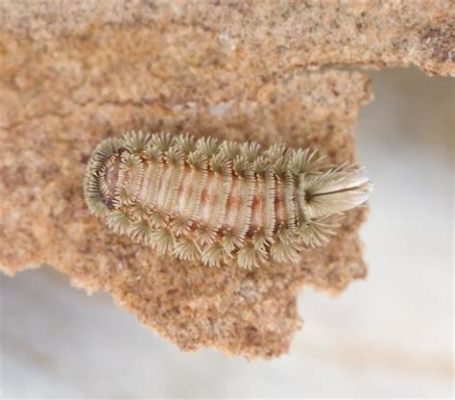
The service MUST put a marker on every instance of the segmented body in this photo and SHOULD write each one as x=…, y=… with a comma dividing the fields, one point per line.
x=218, y=202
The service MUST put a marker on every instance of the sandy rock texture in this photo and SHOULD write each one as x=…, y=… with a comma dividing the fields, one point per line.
x=74, y=73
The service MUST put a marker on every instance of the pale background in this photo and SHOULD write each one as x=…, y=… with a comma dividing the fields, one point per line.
x=390, y=335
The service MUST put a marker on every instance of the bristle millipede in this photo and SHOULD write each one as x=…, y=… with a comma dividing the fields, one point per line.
x=220, y=202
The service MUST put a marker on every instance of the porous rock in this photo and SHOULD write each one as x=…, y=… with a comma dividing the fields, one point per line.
x=72, y=74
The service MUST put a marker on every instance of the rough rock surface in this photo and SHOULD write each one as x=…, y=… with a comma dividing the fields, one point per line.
x=72, y=74
x=279, y=34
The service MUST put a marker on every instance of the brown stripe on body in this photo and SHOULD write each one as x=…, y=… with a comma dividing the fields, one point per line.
x=133, y=180
x=193, y=198
x=290, y=201
x=285, y=205
x=232, y=205
x=212, y=210
x=238, y=208
x=263, y=206
x=169, y=186
x=258, y=207
x=184, y=191
x=280, y=208
x=150, y=183
x=244, y=215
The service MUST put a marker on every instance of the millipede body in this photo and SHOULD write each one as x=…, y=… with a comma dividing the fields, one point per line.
x=219, y=202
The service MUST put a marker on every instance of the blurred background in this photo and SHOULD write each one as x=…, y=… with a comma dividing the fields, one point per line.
x=387, y=336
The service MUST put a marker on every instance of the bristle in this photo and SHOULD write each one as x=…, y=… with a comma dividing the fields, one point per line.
x=286, y=246
x=106, y=148
x=241, y=166
x=119, y=221
x=186, y=143
x=305, y=160
x=275, y=152
x=220, y=164
x=140, y=231
x=250, y=150
x=186, y=249
x=205, y=235
x=174, y=156
x=317, y=232
x=96, y=204
x=213, y=255
x=139, y=211
x=180, y=225
x=282, y=253
x=162, y=240
x=156, y=218
x=162, y=141
x=248, y=257
x=136, y=141
x=229, y=241
x=281, y=166
x=130, y=160
x=261, y=241
x=229, y=149
x=288, y=236
x=153, y=154
x=334, y=191
x=197, y=160
x=261, y=166
x=207, y=146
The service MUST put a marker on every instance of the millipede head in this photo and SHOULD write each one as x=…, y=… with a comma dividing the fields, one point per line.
x=102, y=175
